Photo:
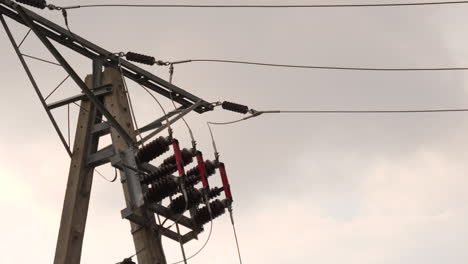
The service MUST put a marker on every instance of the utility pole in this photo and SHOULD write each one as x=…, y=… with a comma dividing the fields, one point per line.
x=150, y=189
x=89, y=128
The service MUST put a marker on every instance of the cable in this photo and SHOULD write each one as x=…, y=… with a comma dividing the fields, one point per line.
x=418, y=111
x=367, y=111
x=102, y=176
x=235, y=237
x=171, y=74
x=162, y=108
x=129, y=100
x=204, y=245
x=129, y=258
x=229, y=208
x=275, y=6
x=318, y=67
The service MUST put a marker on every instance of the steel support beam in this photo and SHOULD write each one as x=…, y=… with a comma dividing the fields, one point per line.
x=97, y=92
x=74, y=76
x=92, y=51
x=36, y=88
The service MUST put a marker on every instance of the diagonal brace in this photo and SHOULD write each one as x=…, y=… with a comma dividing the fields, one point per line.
x=110, y=119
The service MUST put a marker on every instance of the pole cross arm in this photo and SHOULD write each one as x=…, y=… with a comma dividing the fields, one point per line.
x=93, y=51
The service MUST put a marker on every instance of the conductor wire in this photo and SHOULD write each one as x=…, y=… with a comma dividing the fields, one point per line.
x=202, y=247
x=275, y=6
x=160, y=106
x=171, y=73
x=129, y=100
x=320, y=67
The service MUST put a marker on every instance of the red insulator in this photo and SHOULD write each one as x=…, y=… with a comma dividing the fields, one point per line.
x=178, y=205
x=202, y=170
x=187, y=157
x=243, y=109
x=153, y=150
x=36, y=3
x=136, y=57
x=224, y=179
x=202, y=215
x=178, y=158
x=193, y=175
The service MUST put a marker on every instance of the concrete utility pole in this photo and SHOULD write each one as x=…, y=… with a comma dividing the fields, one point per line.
x=72, y=226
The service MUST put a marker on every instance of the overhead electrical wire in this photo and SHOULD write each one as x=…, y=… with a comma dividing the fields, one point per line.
x=365, y=111
x=319, y=67
x=318, y=112
x=428, y=3
x=216, y=153
x=202, y=247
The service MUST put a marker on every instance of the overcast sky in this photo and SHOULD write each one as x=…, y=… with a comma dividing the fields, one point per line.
x=328, y=189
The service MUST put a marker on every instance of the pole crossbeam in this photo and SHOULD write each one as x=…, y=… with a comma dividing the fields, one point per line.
x=93, y=51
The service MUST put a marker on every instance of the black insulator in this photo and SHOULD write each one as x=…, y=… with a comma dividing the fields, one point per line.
x=193, y=175
x=161, y=189
x=215, y=192
x=243, y=109
x=187, y=157
x=153, y=149
x=178, y=205
x=132, y=56
x=160, y=171
x=210, y=168
x=127, y=261
x=36, y=3
x=202, y=215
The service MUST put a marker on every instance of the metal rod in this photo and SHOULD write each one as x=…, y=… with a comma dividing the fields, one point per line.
x=58, y=86
x=179, y=116
x=24, y=38
x=181, y=242
x=34, y=84
x=158, y=122
x=39, y=59
x=68, y=123
x=100, y=91
x=101, y=108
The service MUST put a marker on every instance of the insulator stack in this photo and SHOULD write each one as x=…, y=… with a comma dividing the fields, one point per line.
x=160, y=171
x=243, y=109
x=36, y=3
x=215, y=192
x=178, y=205
x=153, y=150
x=161, y=189
x=202, y=215
x=136, y=57
x=187, y=157
x=193, y=175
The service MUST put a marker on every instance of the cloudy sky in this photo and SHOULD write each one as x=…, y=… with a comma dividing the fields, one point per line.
x=326, y=189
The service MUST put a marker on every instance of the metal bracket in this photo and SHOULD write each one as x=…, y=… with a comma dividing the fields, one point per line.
x=99, y=91
x=101, y=157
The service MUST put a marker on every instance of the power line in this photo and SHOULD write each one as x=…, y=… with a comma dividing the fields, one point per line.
x=318, y=67
x=366, y=111
x=274, y=6
x=417, y=111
